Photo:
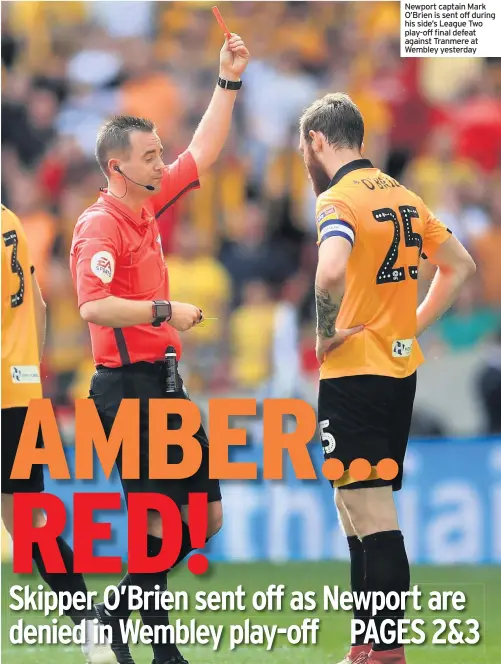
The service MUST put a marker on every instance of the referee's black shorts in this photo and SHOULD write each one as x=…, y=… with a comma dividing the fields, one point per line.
x=12, y=428
x=145, y=381
x=366, y=417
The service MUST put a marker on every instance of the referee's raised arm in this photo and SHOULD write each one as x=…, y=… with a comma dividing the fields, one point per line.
x=212, y=132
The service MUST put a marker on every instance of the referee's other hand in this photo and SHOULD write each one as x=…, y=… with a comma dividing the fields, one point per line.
x=184, y=316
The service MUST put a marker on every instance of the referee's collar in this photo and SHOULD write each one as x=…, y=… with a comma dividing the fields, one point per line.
x=141, y=219
x=348, y=168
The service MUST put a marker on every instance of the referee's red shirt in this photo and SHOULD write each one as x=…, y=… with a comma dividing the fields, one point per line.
x=116, y=251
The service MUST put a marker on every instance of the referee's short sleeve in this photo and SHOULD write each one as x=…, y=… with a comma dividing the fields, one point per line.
x=179, y=178
x=93, y=257
x=334, y=218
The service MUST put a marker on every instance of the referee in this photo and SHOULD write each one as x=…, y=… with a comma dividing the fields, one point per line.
x=123, y=293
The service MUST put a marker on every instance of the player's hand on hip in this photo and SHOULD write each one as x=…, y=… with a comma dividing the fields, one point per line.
x=324, y=346
x=234, y=58
x=185, y=316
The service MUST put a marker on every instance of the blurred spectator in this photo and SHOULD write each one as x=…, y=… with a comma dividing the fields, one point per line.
x=487, y=250
x=269, y=117
x=436, y=169
x=39, y=223
x=92, y=96
x=477, y=122
x=425, y=425
x=137, y=21
x=466, y=324
x=251, y=257
x=489, y=386
x=28, y=115
x=251, y=336
x=197, y=276
x=147, y=91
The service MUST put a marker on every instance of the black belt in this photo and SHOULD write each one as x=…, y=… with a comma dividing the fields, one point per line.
x=135, y=367
x=154, y=369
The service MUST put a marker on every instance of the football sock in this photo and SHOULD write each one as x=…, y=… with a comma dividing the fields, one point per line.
x=64, y=581
x=154, y=546
x=387, y=569
x=150, y=616
x=357, y=557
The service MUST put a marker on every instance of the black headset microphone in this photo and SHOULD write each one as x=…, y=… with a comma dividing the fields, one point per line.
x=149, y=187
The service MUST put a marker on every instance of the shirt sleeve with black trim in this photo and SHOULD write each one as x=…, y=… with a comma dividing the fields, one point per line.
x=435, y=233
x=179, y=178
x=95, y=253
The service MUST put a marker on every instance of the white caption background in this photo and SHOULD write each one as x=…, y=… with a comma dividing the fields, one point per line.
x=450, y=29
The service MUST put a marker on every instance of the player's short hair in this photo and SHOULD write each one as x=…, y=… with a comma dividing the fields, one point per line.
x=338, y=118
x=114, y=136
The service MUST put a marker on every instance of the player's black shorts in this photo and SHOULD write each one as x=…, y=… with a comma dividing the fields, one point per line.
x=12, y=427
x=366, y=417
x=144, y=381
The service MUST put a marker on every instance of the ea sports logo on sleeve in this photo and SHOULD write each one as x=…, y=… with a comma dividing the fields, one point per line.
x=103, y=266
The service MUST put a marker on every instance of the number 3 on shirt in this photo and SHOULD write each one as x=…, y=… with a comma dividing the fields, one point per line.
x=10, y=240
x=388, y=273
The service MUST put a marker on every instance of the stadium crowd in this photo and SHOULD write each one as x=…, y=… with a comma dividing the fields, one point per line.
x=243, y=247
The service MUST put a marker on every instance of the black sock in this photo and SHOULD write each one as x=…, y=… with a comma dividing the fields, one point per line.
x=387, y=569
x=154, y=546
x=122, y=609
x=151, y=616
x=67, y=581
x=357, y=557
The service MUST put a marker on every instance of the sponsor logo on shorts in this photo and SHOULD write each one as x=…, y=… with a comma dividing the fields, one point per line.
x=103, y=266
x=330, y=210
x=25, y=374
x=402, y=348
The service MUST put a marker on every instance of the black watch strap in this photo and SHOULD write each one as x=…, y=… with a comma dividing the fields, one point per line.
x=162, y=311
x=229, y=85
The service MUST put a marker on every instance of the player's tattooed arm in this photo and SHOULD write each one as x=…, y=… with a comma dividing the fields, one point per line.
x=327, y=313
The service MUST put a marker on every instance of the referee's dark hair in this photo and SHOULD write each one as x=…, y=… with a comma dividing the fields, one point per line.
x=114, y=136
x=338, y=118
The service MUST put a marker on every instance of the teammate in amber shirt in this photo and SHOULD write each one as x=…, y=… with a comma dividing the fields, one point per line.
x=373, y=234
x=23, y=337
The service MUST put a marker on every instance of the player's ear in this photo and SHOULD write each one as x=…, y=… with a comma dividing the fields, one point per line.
x=316, y=140
x=362, y=148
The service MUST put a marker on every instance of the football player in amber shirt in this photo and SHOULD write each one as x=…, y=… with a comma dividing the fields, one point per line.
x=372, y=235
x=23, y=335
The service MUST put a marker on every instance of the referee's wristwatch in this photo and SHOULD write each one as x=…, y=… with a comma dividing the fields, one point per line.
x=162, y=311
x=229, y=85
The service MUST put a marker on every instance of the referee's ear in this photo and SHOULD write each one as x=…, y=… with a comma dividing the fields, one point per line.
x=113, y=167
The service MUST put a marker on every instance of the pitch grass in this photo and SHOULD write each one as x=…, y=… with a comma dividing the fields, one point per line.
x=482, y=586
